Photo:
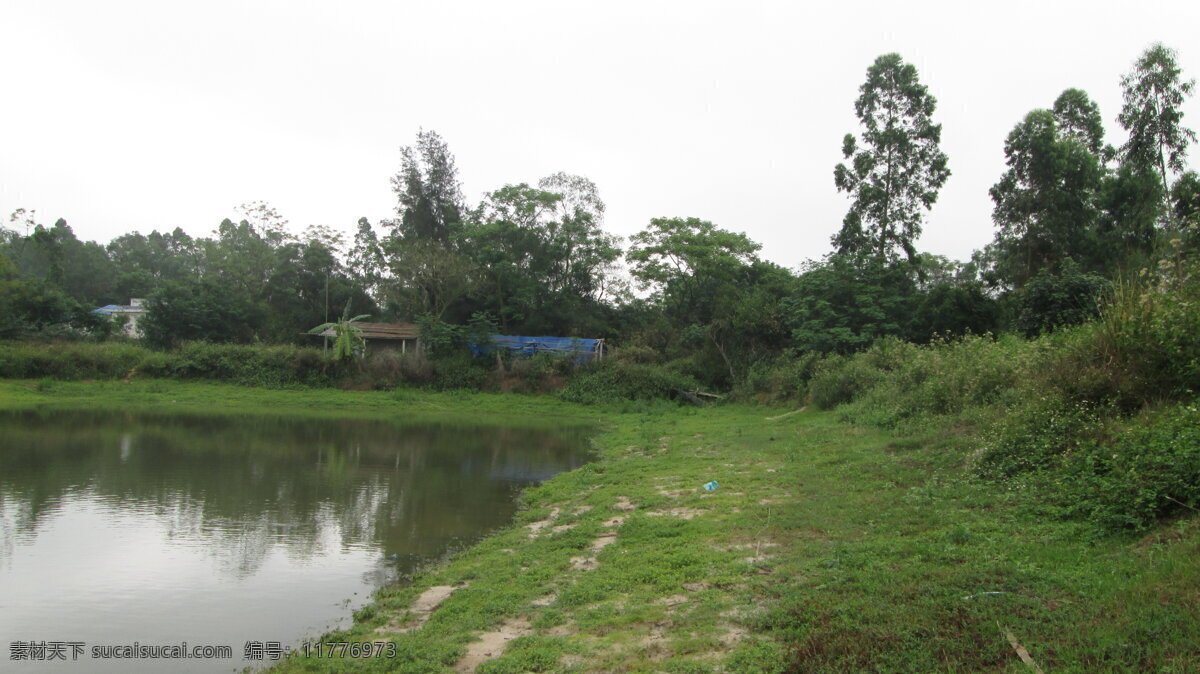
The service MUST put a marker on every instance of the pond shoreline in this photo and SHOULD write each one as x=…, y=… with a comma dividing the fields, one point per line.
x=825, y=547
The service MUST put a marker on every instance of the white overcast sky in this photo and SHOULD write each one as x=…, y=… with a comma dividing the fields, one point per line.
x=121, y=116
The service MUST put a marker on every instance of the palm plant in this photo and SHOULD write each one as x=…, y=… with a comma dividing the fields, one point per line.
x=348, y=342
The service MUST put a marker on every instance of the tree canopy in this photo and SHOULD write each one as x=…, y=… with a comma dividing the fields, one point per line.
x=896, y=173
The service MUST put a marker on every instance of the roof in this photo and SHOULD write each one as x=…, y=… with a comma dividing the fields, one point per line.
x=582, y=349
x=382, y=330
x=110, y=309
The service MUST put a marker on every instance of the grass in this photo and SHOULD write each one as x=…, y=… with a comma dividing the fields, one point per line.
x=827, y=547
x=161, y=395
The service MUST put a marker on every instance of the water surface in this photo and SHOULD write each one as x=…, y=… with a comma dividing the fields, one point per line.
x=123, y=528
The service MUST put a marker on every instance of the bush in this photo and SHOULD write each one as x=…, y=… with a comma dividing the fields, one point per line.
x=1147, y=340
x=68, y=360
x=1150, y=470
x=840, y=379
x=778, y=379
x=635, y=353
x=387, y=368
x=1035, y=436
x=947, y=379
x=254, y=365
x=1054, y=300
x=461, y=372
x=610, y=380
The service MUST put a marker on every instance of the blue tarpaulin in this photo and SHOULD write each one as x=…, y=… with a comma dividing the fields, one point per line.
x=582, y=349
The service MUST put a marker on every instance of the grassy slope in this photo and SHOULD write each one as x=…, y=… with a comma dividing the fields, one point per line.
x=827, y=547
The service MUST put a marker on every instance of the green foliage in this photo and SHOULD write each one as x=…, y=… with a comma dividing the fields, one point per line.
x=1154, y=94
x=779, y=379
x=427, y=189
x=1146, y=339
x=460, y=372
x=845, y=303
x=718, y=303
x=547, y=263
x=439, y=338
x=200, y=310
x=1131, y=200
x=1046, y=202
x=609, y=381
x=839, y=380
x=426, y=277
x=1061, y=298
x=66, y=360
x=1035, y=435
x=673, y=255
x=952, y=308
x=348, y=342
x=1146, y=472
x=1185, y=197
x=938, y=383
x=896, y=176
x=1054, y=411
x=251, y=365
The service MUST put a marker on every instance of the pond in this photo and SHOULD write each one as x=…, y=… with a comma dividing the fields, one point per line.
x=153, y=530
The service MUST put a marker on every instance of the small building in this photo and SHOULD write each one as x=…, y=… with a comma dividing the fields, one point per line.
x=398, y=337
x=132, y=313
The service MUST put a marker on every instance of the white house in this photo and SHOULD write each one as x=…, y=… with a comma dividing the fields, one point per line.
x=132, y=312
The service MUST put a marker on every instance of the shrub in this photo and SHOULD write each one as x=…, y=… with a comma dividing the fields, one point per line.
x=387, y=368
x=1146, y=339
x=947, y=379
x=1036, y=435
x=252, y=365
x=1144, y=473
x=68, y=360
x=840, y=379
x=611, y=380
x=636, y=353
x=1055, y=300
x=460, y=372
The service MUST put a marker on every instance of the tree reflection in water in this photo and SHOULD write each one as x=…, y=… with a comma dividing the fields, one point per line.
x=244, y=486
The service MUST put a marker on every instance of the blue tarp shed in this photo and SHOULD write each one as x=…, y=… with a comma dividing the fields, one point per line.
x=583, y=350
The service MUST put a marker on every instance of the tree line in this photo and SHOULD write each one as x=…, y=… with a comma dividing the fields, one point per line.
x=1072, y=213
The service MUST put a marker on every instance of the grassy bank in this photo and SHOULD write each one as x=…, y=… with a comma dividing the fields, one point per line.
x=213, y=398
x=827, y=547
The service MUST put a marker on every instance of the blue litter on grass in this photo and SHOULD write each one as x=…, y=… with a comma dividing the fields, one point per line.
x=711, y=486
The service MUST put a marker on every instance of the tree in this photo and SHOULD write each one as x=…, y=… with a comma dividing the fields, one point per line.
x=348, y=342
x=1153, y=113
x=547, y=263
x=700, y=275
x=427, y=278
x=1046, y=201
x=897, y=173
x=683, y=260
x=427, y=188
x=950, y=300
x=845, y=302
x=1078, y=117
x=366, y=259
x=1061, y=297
x=1131, y=202
x=143, y=263
x=306, y=281
x=200, y=309
x=266, y=221
x=1185, y=197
